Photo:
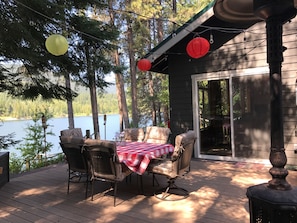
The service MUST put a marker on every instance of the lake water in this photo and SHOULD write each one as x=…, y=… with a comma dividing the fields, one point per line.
x=58, y=124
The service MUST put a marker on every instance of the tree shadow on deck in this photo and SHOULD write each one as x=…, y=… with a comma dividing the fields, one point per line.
x=217, y=194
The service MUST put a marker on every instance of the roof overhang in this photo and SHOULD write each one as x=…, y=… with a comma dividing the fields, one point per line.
x=239, y=14
x=157, y=55
x=201, y=23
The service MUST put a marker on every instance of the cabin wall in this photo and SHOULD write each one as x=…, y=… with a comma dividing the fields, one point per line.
x=246, y=50
x=180, y=93
x=289, y=75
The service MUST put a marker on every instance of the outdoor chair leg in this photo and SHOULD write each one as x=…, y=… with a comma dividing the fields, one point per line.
x=171, y=189
x=130, y=178
x=68, y=182
x=115, y=193
x=87, y=187
x=139, y=178
x=92, y=189
x=155, y=179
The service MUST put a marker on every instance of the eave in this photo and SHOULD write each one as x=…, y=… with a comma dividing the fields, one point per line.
x=175, y=44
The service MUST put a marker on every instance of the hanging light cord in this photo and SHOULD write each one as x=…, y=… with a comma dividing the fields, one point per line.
x=53, y=20
x=207, y=28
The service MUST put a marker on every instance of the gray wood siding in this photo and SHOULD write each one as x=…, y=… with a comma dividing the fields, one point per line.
x=246, y=50
x=289, y=75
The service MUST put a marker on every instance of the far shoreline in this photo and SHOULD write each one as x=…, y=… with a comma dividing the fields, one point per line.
x=7, y=119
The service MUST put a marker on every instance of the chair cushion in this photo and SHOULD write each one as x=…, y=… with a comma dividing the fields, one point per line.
x=106, y=143
x=185, y=138
x=188, y=137
x=155, y=134
x=180, y=159
x=120, y=169
x=121, y=172
x=181, y=141
x=72, y=139
x=163, y=167
x=76, y=132
x=134, y=134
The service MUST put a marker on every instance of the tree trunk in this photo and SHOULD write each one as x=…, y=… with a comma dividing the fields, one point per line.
x=153, y=105
x=166, y=115
x=159, y=113
x=93, y=95
x=135, y=118
x=160, y=37
x=69, y=102
x=123, y=109
x=134, y=98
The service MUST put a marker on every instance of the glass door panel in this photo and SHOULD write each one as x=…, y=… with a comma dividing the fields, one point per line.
x=214, y=107
x=251, y=116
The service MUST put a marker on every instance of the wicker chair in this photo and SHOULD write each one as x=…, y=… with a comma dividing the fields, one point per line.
x=174, y=167
x=104, y=163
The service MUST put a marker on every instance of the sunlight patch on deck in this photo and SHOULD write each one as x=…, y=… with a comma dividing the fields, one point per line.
x=193, y=208
x=35, y=191
x=5, y=214
x=247, y=179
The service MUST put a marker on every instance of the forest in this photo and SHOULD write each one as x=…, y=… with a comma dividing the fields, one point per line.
x=26, y=109
x=100, y=38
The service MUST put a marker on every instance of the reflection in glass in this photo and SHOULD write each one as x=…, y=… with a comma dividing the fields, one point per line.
x=214, y=107
x=251, y=112
x=250, y=109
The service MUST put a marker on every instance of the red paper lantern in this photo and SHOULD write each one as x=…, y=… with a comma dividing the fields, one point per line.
x=198, y=47
x=144, y=64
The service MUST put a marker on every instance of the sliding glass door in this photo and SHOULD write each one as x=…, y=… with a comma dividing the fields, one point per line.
x=232, y=114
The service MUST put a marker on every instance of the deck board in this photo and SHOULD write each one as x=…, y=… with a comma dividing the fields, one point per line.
x=217, y=194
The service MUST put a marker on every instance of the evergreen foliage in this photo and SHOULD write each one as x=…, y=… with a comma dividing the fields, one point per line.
x=28, y=71
x=151, y=22
x=24, y=59
x=35, y=143
x=35, y=147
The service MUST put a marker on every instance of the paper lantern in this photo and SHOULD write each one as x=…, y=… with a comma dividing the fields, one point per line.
x=198, y=47
x=56, y=44
x=144, y=64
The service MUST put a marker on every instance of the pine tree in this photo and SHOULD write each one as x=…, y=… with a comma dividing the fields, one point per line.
x=25, y=61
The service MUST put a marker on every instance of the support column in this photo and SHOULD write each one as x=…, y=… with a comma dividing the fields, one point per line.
x=275, y=201
x=278, y=159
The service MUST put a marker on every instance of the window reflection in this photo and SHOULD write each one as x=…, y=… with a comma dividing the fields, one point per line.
x=250, y=113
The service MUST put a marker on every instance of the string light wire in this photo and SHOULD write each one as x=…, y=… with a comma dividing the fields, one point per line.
x=60, y=23
x=206, y=28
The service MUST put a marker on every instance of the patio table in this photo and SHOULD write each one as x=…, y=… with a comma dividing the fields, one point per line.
x=137, y=155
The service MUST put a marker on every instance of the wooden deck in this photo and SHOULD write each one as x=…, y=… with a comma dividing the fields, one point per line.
x=217, y=194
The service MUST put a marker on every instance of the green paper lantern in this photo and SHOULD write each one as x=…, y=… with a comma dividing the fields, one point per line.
x=56, y=44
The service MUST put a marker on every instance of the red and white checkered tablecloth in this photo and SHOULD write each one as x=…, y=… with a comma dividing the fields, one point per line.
x=137, y=155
